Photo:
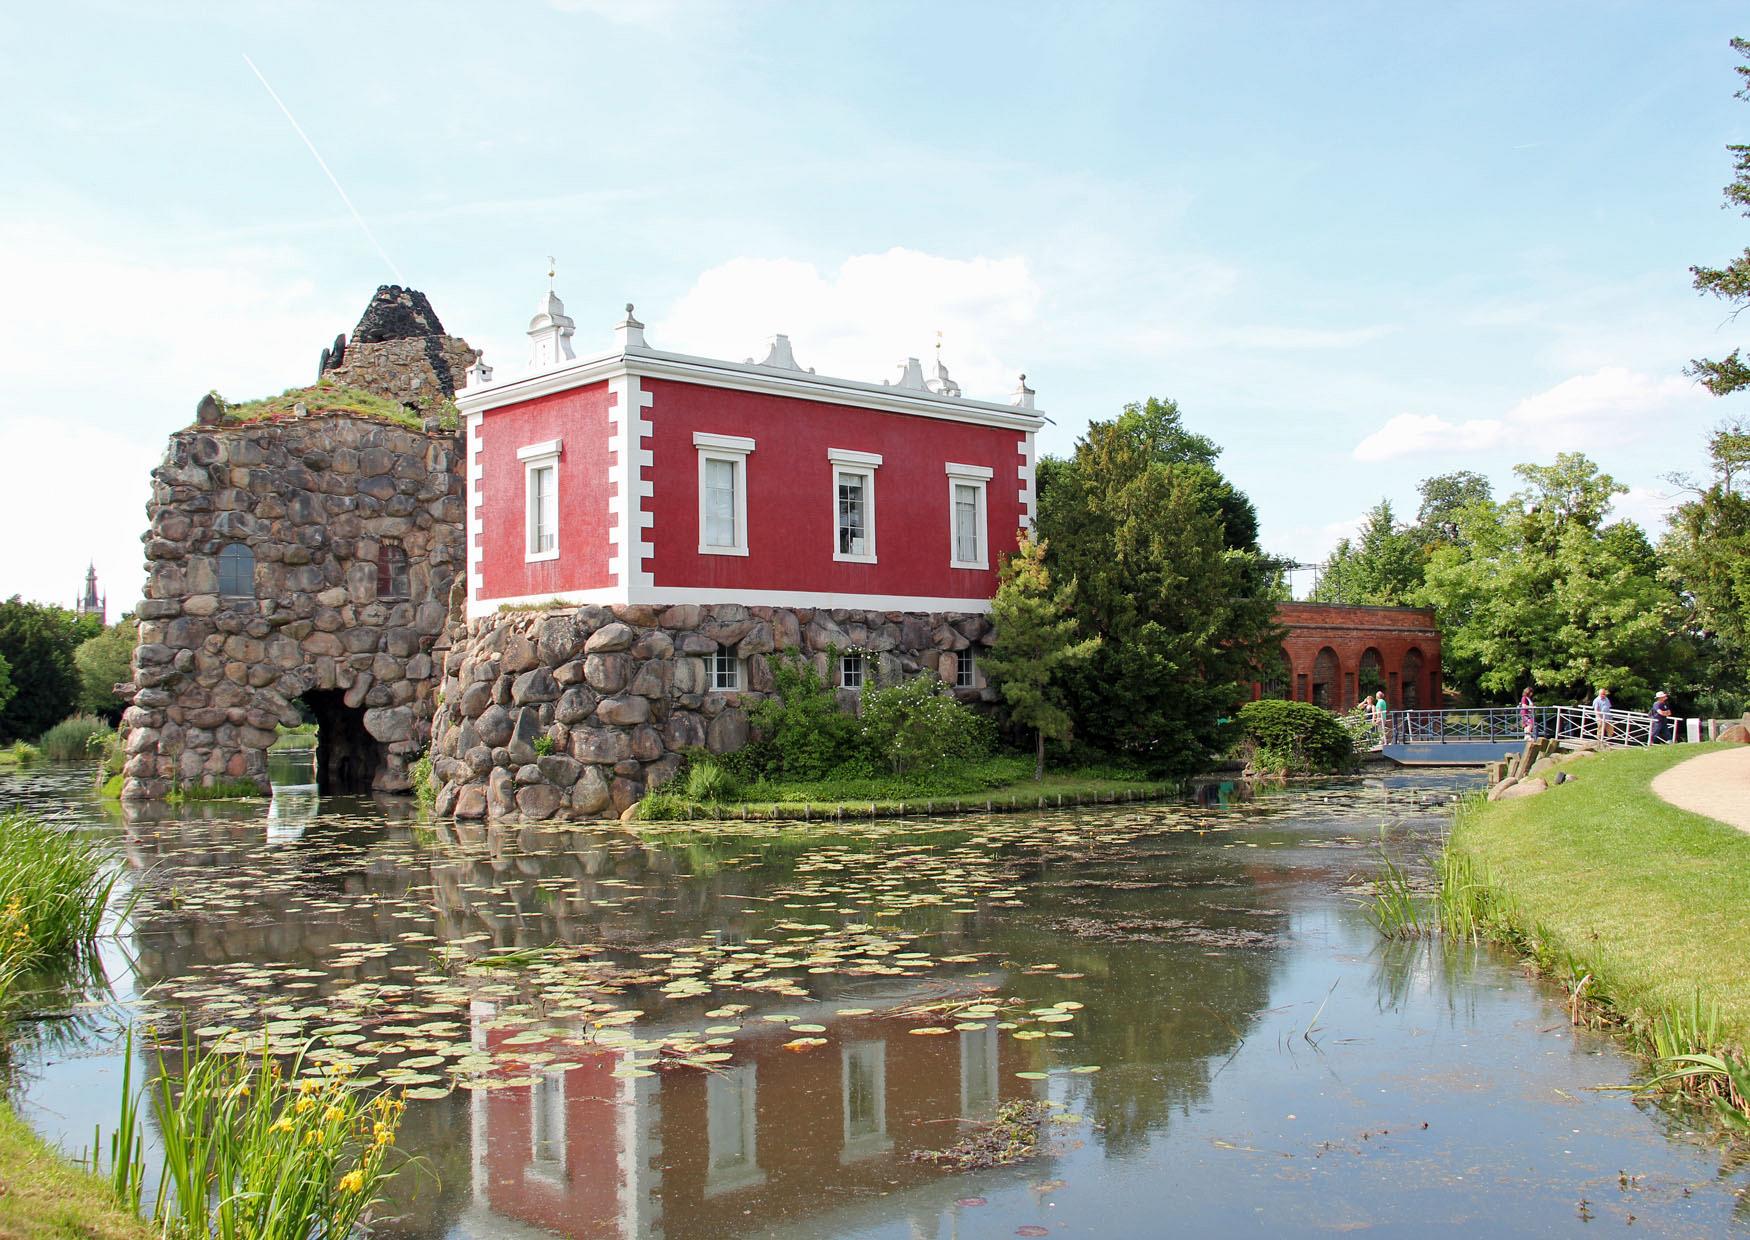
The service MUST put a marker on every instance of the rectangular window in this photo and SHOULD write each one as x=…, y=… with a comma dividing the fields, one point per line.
x=541, y=494
x=851, y=670
x=853, y=476
x=963, y=669
x=725, y=671
x=722, y=493
x=968, y=541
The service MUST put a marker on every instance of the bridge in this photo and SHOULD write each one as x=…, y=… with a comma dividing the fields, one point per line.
x=1468, y=737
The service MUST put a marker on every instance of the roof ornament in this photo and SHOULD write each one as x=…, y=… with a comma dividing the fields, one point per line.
x=943, y=384
x=778, y=355
x=1023, y=397
x=550, y=330
x=479, y=374
x=911, y=375
x=629, y=332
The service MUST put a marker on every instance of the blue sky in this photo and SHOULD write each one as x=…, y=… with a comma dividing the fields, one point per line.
x=1360, y=244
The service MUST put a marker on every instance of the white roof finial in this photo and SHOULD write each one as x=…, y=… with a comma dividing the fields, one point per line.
x=1023, y=398
x=943, y=384
x=629, y=332
x=479, y=374
x=550, y=330
x=778, y=355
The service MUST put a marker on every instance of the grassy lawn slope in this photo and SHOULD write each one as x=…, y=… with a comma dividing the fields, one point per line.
x=43, y=1195
x=1648, y=898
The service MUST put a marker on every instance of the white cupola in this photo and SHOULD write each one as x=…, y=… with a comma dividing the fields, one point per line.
x=550, y=334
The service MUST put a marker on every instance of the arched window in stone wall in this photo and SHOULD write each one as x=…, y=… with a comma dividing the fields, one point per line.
x=1325, y=685
x=1413, y=679
x=392, y=570
x=1370, y=674
x=236, y=571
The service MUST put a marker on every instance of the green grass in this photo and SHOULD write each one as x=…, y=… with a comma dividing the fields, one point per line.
x=1004, y=782
x=301, y=737
x=1637, y=899
x=329, y=397
x=42, y=1195
x=20, y=754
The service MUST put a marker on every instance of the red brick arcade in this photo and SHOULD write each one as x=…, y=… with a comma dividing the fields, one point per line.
x=1336, y=652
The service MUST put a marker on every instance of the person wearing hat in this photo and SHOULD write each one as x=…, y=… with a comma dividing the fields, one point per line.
x=1662, y=715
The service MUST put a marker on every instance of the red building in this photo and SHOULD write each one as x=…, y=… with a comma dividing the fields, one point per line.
x=638, y=476
x=1335, y=652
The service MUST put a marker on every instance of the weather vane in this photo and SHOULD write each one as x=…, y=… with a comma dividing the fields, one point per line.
x=552, y=270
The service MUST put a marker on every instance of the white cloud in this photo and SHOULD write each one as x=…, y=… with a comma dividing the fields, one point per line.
x=863, y=320
x=1609, y=407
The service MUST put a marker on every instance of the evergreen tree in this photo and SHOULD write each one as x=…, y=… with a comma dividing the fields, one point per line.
x=1161, y=554
x=1732, y=282
x=1035, y=644
x=1382, y=568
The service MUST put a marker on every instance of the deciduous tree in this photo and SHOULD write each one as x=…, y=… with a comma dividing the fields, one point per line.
x=37, y=640
x=1730, y=283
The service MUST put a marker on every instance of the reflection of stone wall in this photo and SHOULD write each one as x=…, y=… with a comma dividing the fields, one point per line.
x=620, y=692
x=313, y=499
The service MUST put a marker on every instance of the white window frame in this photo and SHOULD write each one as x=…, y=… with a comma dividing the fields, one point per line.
x=715, y=667
x=862, y=669
x=978, y=477
x=538, y=456
x=863, y=465
x=965, y=665
x=733, y=449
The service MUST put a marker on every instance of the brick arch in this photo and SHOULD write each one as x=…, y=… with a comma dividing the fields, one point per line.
x=1326, y=685
x=1414, y=681
x=1351, y=632
x=1369, y=672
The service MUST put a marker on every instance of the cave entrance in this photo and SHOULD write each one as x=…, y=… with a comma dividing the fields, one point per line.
x=347, y=757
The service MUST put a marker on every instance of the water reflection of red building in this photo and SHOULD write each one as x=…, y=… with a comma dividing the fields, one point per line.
x=685, y=1152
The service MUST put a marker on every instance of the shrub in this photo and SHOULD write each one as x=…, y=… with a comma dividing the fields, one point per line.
x=71, y=739
x=806, y=733
x=544, y=745
x=1296, y=736
x=918, y=726
x=708, y=782
x=424, y=786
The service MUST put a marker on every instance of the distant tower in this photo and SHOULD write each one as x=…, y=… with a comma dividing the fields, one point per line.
x=91, y=604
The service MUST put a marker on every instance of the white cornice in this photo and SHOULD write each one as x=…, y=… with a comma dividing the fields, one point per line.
x=684, y=368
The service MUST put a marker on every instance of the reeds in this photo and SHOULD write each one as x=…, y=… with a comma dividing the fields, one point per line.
x=253, y=1151
x=72, y=740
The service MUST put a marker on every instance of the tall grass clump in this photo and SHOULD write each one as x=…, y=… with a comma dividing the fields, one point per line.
x=73, y=740
x=251, y=1152
x=54, y=887
x=424, y=786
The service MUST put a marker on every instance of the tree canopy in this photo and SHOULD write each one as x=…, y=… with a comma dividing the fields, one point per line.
x=103, y=662
x=37, y=641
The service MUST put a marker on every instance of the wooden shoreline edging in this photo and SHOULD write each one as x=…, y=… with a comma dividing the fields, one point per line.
x=929, y=807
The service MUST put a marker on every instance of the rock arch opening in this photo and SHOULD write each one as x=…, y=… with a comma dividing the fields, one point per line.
x=348, y=757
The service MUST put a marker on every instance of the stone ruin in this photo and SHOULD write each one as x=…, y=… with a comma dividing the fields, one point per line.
x=309, y=559
x=399, y=350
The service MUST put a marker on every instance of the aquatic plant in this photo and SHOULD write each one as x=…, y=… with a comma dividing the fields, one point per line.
x=54, y=887
x=218, y=790
x=424, y=787
x=254, y=1151
x=20, y=754
x=709, y=782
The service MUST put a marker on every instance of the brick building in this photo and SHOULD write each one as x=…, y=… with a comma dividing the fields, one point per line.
x=1335, y=652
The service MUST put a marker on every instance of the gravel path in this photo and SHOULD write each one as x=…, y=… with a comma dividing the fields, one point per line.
x=1715, y=784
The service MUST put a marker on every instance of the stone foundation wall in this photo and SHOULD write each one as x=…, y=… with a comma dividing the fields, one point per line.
x=313, y=499
x=621, y=692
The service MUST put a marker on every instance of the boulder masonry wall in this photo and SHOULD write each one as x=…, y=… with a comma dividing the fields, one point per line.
x=311, y=503
x=620, y=693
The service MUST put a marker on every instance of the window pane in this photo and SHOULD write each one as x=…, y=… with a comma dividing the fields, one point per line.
x=853, y=529
x=963, y=669
x=966, y=524
x=543, y=509
x=237, y=571
x=720, y=503
x=851, y=671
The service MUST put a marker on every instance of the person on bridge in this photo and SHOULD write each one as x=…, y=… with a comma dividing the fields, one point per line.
x=1601, y=714
x=1377, y=710
x=1527, y=714
x=1662, y=716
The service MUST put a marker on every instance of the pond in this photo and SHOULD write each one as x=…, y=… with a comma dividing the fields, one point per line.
x=738, y=1031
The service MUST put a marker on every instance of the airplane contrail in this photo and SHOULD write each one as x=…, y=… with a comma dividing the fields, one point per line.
x=328, y=172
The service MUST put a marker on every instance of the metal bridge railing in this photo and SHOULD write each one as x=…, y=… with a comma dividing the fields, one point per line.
x=1620, y=729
